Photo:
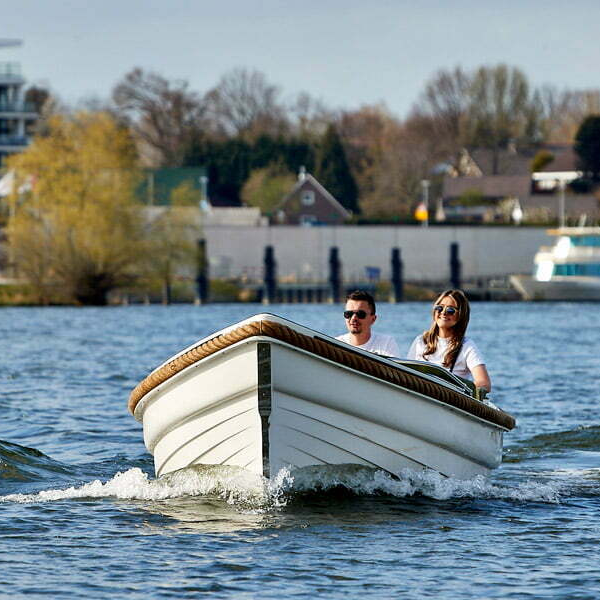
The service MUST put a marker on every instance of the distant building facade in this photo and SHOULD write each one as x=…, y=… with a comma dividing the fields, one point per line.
x=487, y=185
x=309, y=203
x=17, y=118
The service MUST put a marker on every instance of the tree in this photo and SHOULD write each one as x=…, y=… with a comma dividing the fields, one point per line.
x=333, y=172
x=498, y=109
x=78, y=230
x=443, y=106
x=542, y=159
x=309, y=117
x=266, y=187
x=487, y=108
x=164, y=115
x=171, y=241
x=587, y=146
x=244, y=104
x=564, y=110
x=370, y=136
x=37, y=97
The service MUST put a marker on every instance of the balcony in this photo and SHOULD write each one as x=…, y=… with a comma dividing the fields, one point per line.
x=17, y=107
x=14, y=141
x=10, y=72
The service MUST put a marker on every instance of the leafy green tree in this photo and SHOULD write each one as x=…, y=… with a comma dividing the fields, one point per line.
x=78, y=230
x=587, y=146
x=230, y=162
x=172, y=235
x=266, y=187
x=541, y=160
x=333, y=172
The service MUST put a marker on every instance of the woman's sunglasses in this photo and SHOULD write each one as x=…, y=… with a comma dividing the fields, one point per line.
x=449, y=310
x=361, y=314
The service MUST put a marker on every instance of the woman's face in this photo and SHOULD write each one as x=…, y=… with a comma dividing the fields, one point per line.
x=444, y=315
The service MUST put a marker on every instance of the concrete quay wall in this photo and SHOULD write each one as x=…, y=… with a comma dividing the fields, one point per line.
x=302, y=253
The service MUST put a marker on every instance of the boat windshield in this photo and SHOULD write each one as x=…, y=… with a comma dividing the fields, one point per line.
x=437, y=371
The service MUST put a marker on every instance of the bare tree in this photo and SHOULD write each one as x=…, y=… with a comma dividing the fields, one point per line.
x=388, y=159
x=310, y=117
x=245, y=104
x=488, y=107
x=164, y=115
x=498, y=104
x=563, y=111
x=443, y=109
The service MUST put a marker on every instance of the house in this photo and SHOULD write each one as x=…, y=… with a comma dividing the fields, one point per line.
x=309, y=203
x=486, y=184
x=17, y=118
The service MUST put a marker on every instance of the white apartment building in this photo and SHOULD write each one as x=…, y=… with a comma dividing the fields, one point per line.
x=17, y=117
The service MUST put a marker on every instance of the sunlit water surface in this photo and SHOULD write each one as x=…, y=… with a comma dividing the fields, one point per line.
x=81, y=513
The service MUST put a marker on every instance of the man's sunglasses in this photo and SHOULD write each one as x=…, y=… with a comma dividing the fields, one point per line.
x=449, y=310
x=361, y=314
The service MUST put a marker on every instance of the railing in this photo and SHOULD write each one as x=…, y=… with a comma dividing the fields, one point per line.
x=13, y=140
x=17, y=107
x=11, y=70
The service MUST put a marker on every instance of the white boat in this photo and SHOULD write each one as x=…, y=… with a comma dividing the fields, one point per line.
x=568, y=270
x=267, y=394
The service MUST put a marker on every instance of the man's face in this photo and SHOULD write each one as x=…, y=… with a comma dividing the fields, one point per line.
x=356, y=325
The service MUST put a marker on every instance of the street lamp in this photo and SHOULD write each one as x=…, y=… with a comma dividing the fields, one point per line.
x=204, y=204
x=425, y=185
x=561, y=202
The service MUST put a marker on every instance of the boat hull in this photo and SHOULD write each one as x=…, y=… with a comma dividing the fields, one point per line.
x=265, y=405
x=566, y=289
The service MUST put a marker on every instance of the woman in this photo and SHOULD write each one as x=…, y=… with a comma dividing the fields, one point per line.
x=445, y=343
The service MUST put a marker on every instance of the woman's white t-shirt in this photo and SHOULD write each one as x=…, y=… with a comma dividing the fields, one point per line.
x=468, y=358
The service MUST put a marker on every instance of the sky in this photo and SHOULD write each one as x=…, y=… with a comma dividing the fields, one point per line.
x=346, y=53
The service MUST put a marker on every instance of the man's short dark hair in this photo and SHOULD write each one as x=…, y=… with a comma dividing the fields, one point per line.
x=362, y=295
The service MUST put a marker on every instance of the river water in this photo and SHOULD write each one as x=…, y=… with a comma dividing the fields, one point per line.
x=81, y=513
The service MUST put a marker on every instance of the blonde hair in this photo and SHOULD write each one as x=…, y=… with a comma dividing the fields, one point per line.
x=430, y=337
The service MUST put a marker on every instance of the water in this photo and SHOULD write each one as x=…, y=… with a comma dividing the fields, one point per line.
x=81, y=513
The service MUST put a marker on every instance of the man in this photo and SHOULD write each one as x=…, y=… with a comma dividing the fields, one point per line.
x=360, y=316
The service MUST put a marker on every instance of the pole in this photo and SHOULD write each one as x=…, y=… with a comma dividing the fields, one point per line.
x=202, y=281
x=397, y=292
x=335, y=279
x=561, y=203
x=270, y=276
x=425, y=184
x=455, y=266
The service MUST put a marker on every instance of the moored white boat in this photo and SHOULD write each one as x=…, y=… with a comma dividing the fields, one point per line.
x=567, y=271
x=266, y=394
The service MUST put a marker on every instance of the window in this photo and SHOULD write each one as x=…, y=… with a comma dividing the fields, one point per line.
x=308, y=198
x=308, y=220
x=586, y=240
x=582, y=269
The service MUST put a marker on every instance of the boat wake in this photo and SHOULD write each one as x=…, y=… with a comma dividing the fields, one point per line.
x=584, y=438
x=19, y=463
x=245, y=490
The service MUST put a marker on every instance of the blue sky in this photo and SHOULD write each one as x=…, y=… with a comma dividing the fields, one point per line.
x=345, y=52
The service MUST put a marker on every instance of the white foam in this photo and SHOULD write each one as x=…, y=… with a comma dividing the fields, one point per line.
x=240, y=487
x=364, y=481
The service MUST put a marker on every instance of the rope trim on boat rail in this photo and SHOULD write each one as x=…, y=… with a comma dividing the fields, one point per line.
x=330, y=351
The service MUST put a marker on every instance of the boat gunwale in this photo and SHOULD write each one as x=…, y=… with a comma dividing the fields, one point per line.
x=370, y=364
